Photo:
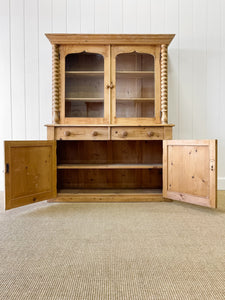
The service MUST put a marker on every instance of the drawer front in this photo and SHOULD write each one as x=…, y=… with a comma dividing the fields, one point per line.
x=137, y=133
x=81, y=133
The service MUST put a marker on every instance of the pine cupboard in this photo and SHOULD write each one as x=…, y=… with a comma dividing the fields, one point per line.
x=110, y=139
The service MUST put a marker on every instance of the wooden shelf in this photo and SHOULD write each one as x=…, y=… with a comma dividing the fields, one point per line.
x=135, y=99
x=85, y=99
x=84, y=73
x=109, y=191
x=109, y=166
x=134, y=74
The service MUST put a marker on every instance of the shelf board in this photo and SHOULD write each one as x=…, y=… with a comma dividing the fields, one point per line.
x=109, y=191
x=134, y=74
x=135, y=99
x=84, y=73
x=109, y=166
x=85, y=99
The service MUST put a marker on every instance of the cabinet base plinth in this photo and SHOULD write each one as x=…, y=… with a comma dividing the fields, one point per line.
x=109, y=197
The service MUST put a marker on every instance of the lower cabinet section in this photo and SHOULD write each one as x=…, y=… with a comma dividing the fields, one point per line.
x=109, y=170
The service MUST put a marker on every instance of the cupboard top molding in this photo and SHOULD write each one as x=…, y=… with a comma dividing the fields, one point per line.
x=115, y=39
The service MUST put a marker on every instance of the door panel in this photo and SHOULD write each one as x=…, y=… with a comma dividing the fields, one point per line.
x=30, y=174
x=189, y=171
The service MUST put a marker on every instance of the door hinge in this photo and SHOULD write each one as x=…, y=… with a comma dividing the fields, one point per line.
x=7, y=168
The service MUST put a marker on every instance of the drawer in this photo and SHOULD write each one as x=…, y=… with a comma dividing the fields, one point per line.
x=137, y=133
x=81, y=133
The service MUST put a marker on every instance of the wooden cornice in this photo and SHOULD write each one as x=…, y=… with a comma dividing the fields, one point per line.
x=113, y=39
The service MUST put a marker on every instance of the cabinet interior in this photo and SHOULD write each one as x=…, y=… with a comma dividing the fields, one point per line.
x=84, y=85
x=135, y=85
x=109, y=165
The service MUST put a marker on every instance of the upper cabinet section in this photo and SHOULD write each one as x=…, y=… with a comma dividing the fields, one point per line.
x=109, y=79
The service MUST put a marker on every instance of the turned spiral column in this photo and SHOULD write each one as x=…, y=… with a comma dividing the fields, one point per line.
x=164, y=85
x=55, y=83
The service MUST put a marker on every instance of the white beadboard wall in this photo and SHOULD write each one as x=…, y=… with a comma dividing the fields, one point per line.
x=196, y=61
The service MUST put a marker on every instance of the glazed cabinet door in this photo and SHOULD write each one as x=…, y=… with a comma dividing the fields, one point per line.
x=190, y=171
x=84, y=92
x=135, y=87
x=30, y=172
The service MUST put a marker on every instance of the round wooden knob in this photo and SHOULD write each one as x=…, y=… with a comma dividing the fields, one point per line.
x=94, y=133
x=150, y=133
x=124, y=134
x=67, y=133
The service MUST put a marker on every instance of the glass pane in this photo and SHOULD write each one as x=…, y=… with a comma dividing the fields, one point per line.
x=84, y=85
x=84, y=61
x=135, y=85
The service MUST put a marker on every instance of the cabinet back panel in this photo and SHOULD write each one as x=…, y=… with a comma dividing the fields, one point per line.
x=134, y=62
x=109, y=179
x=103, y=152
x=135, y=87
x=84, y=109
x=135, y=109
x=84, y=87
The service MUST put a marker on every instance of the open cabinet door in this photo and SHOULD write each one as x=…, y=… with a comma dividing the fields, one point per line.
x=190, y=171
x=30, y=172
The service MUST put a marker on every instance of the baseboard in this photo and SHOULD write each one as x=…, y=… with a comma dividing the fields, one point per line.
x=221, y=183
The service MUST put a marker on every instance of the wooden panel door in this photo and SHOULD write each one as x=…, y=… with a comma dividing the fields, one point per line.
x=190, y=171
x=30, y=173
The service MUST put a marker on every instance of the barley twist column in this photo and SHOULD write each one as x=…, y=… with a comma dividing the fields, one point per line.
x=164, y=85
x=55, y=83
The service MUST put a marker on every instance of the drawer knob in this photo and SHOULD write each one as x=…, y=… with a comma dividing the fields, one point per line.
x=150, y=133
x=67, y=133
x=124, y=134
x=94, y=133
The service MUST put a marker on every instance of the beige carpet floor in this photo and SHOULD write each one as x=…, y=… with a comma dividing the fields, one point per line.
x=112, y=251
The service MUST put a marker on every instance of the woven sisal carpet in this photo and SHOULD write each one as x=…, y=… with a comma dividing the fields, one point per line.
x=112, y=251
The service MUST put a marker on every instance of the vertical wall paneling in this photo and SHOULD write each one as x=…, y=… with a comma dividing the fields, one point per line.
x=87, y=16
x=5, y=74
x=172, y=26
x=101, y=16
x=221, y=144
x=214, y=72
x=129, y=16
x=5, y=90
x=45, y=63
x=31, y=70
x=185, y=69
x=17, y=70
x=59, y=16
x=157, y=16
x=74, y=16
x=199, y=69
x=115, y=16
x=143, y=16
x=213, y=67
x=196, y=60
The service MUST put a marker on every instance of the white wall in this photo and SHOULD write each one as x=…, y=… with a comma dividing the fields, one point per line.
x=196, y=60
